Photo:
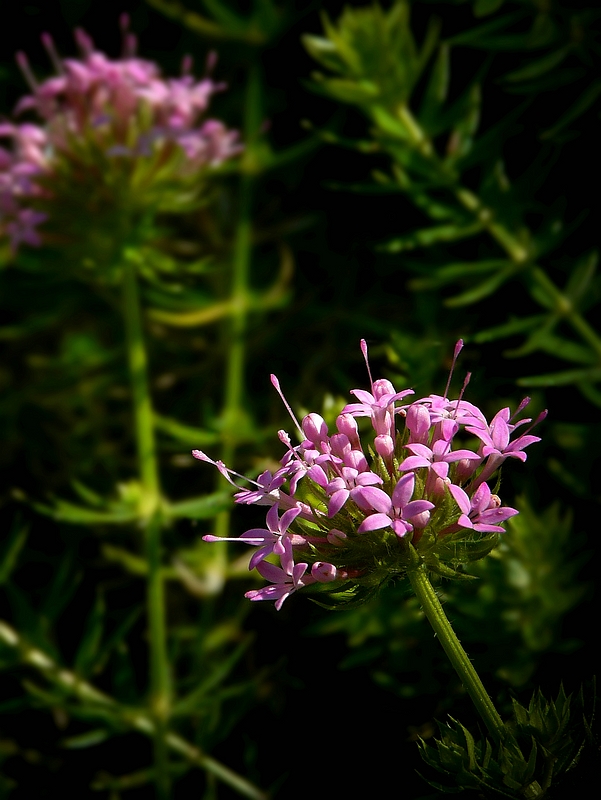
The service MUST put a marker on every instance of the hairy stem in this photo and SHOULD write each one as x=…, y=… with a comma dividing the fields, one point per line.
x=433, y=610
x=160, y=690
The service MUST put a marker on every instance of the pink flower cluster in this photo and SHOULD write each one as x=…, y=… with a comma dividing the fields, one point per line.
x=125, y=105
x=354, y=510
x=19, y=168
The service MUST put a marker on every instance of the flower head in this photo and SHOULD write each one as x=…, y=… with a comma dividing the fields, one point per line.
x=113, y=134
x=356, y=512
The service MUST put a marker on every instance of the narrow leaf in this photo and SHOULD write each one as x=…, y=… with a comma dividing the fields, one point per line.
x=426, y=237
x=437, y=89
x=453, y=272
x=195, y=437
x=562, y=378
x=200, y=507
x=89, y=643
x=88, y=739
x=582, y=276
x=464, y=129
x=480, y=36
x=509, y=328
x=69, y=512
x=540, y=66
x=483, y=289
x=11, y=548
x=586, y=99
x=482, y=8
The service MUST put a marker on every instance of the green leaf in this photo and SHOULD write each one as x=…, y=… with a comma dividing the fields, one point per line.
x=585, y=101
x=463, y=132
x=86, y=657
x=483, y=8
x=88, y=739
x=493, y=141
x=348, y=91
x=388, y=123
x=490, y=36
x=483, y=289
x=559, y=347
x=65, y=511
x=213, y=681
x=563, y=378
x=11, y=548
x=324, y=51
x=429, y=44
x=540, y=66
x=437, y=89
x=87, y=494
x=581, y=276
x=590, y=392
x=426, y=237
x=135, y=565
x=66, y=578
x=200, y=507
x=453, y=272
x=224, y=15
x=194, y=437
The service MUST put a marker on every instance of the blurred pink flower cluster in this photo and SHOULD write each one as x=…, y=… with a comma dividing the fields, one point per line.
x=123, y=107
x=362, y=507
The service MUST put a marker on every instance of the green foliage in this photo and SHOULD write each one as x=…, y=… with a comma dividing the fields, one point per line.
x=434, y=146
x=270, y=271
x=512, y=610
x=541, y=744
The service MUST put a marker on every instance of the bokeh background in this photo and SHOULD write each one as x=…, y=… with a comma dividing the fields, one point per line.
x=344, y=243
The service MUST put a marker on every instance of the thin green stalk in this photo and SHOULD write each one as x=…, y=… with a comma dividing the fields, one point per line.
x=138, y=371
x=237, y=324
x=433, y=610
x=516, y=251
x=160, y=689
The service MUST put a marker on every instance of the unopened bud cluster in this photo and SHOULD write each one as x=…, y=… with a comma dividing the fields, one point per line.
x=355, y=508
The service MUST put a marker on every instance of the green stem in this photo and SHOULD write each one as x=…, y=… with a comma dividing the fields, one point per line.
x=514, y=248
x=138, y=371
x=160, y=690
x=433, y=610
x=237, y=324
x=234, y=377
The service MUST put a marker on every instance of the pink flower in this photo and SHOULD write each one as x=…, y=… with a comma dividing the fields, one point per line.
x=274, y=539
x=122, y=109
x=482, y=512
x=398, y=512
x=285, y=581
x=341, y=530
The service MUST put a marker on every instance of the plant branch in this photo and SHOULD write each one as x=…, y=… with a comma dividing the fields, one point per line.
x=136, y=719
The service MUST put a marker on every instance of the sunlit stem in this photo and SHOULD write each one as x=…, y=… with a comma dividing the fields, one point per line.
x=150, y=512
x=514, y=248
x=457, y=656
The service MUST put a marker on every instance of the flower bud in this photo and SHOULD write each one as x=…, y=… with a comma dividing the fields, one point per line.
x=324, y=572
x=384, y=446
x=315, y=428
